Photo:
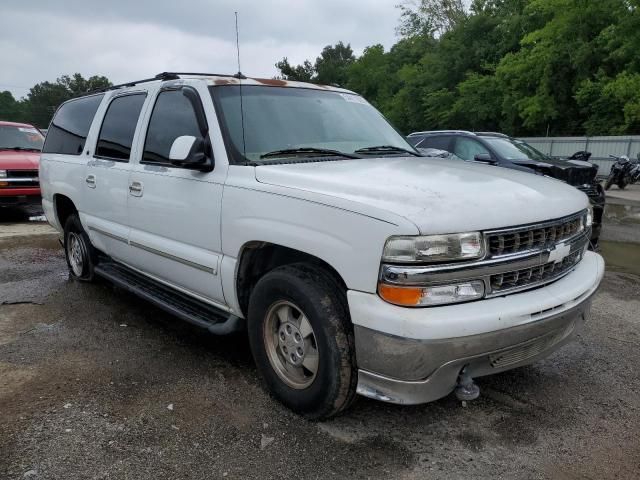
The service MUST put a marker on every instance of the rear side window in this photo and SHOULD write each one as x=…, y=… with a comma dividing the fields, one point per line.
x=435, y=141
x=69, y=128
x=119, y=126
x=173, y=116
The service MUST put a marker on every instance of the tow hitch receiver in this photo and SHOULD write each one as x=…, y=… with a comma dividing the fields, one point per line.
x=466, y=389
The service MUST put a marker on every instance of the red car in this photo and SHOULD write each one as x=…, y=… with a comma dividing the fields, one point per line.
x=20, y=146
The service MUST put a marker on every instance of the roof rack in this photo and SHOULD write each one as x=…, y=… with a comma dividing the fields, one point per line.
x=164, y=76
x=429, y=132
x=493, y=134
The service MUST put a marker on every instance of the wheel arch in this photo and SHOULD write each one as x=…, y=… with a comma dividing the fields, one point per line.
x=257, y=258
x=63, y=207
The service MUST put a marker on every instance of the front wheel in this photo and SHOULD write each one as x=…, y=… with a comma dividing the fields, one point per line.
x=78, y=250
x=302, y=340
x=609, y=182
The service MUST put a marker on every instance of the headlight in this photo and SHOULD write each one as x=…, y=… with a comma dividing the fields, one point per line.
x=433, y=248
x=431, y=295
x=3, y=174
x=588, y=217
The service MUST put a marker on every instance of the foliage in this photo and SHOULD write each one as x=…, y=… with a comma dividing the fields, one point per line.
x=523, y=67
x=44, y=98
x=330, y=68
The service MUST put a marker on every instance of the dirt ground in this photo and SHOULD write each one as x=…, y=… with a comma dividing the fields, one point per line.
x=97, y=384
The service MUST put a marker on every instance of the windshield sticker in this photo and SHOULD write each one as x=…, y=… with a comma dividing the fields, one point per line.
x=28, y=130
x=353, y=98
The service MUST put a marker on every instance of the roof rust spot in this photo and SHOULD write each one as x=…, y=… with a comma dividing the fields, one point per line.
x=276, y=82
x=223, y=81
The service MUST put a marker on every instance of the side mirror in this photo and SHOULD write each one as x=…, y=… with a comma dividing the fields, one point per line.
x=484, y=158
x=190, y=152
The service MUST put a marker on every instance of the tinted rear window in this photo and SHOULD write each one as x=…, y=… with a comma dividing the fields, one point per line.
x=69, y=128
x=119, y=126
x=435, y=141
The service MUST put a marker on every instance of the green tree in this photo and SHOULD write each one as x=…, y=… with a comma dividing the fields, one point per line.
x=299, y=73
x=330, y=68
x=44, y=98
x=518, y=66
x=333, y=63
x=10, y=108
x=429, y=17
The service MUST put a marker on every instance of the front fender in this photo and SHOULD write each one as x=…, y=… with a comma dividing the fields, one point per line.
x=350, y=242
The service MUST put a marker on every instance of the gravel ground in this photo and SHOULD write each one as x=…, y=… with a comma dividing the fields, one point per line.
x=95, y=384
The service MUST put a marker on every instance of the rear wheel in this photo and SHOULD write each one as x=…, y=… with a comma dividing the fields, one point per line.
x=78, y=250
x=302, y=340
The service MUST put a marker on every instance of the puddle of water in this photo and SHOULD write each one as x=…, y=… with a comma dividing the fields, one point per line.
x=622, y=214
x=621, y=257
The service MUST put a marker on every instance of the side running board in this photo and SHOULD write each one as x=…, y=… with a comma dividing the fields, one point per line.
x=194, y=311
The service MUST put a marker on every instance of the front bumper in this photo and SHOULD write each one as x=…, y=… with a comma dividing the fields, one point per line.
x=411, y=356
x=20, y=198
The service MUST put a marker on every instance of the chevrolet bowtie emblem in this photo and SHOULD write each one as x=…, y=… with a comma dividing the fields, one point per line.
x=559, y=253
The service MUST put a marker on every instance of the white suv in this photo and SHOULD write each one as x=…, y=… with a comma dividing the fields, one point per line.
x=297, y=212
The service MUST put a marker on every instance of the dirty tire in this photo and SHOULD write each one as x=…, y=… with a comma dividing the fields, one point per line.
x=323, y=302
x=75, y=234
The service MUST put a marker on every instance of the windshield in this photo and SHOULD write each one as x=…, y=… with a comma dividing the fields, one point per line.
x=513, y=150
x=283, y=118
x=21, y=138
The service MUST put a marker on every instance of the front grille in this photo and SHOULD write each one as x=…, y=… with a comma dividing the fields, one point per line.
x=22, y=178
x=590, y=190
x=536, y=237
x=526, y=277
x=530, y=349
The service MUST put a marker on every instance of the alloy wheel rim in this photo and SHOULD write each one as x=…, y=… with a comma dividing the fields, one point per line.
x=76, y=254
x=291, y=345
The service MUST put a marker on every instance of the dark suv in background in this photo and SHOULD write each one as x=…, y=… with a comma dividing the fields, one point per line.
x=504, y=151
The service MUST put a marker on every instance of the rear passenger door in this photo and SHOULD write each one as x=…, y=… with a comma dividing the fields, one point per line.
x=107, y=175
x=174, y=212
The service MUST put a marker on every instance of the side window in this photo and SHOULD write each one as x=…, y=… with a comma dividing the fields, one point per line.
x=467, y=148
x=68, y=131
x=173, y=116
x=436, y=141
x=119, y=126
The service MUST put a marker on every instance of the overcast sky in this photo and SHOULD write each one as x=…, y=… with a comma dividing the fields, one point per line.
x=131, y=39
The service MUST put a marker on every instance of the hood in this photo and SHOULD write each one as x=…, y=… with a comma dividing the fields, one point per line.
x=574, y=172
x=437, y=195
x=16, y=160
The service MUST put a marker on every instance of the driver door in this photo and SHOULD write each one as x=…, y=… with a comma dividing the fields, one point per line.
x=174, y=212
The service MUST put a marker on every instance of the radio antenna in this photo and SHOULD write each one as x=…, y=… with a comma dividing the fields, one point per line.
x=240, y=76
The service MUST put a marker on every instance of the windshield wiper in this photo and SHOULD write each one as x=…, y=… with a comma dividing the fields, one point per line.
x=25, y=149
x=308, y=151
x=386, y=148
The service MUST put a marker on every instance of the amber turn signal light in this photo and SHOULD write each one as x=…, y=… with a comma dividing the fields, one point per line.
x=405, y=296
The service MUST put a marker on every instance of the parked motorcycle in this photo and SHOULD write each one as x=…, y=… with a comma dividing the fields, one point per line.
x=619, y=172
x=634, y=173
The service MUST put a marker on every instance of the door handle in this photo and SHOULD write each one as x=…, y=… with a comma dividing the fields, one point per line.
x=91, y=181
x=135, y=189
